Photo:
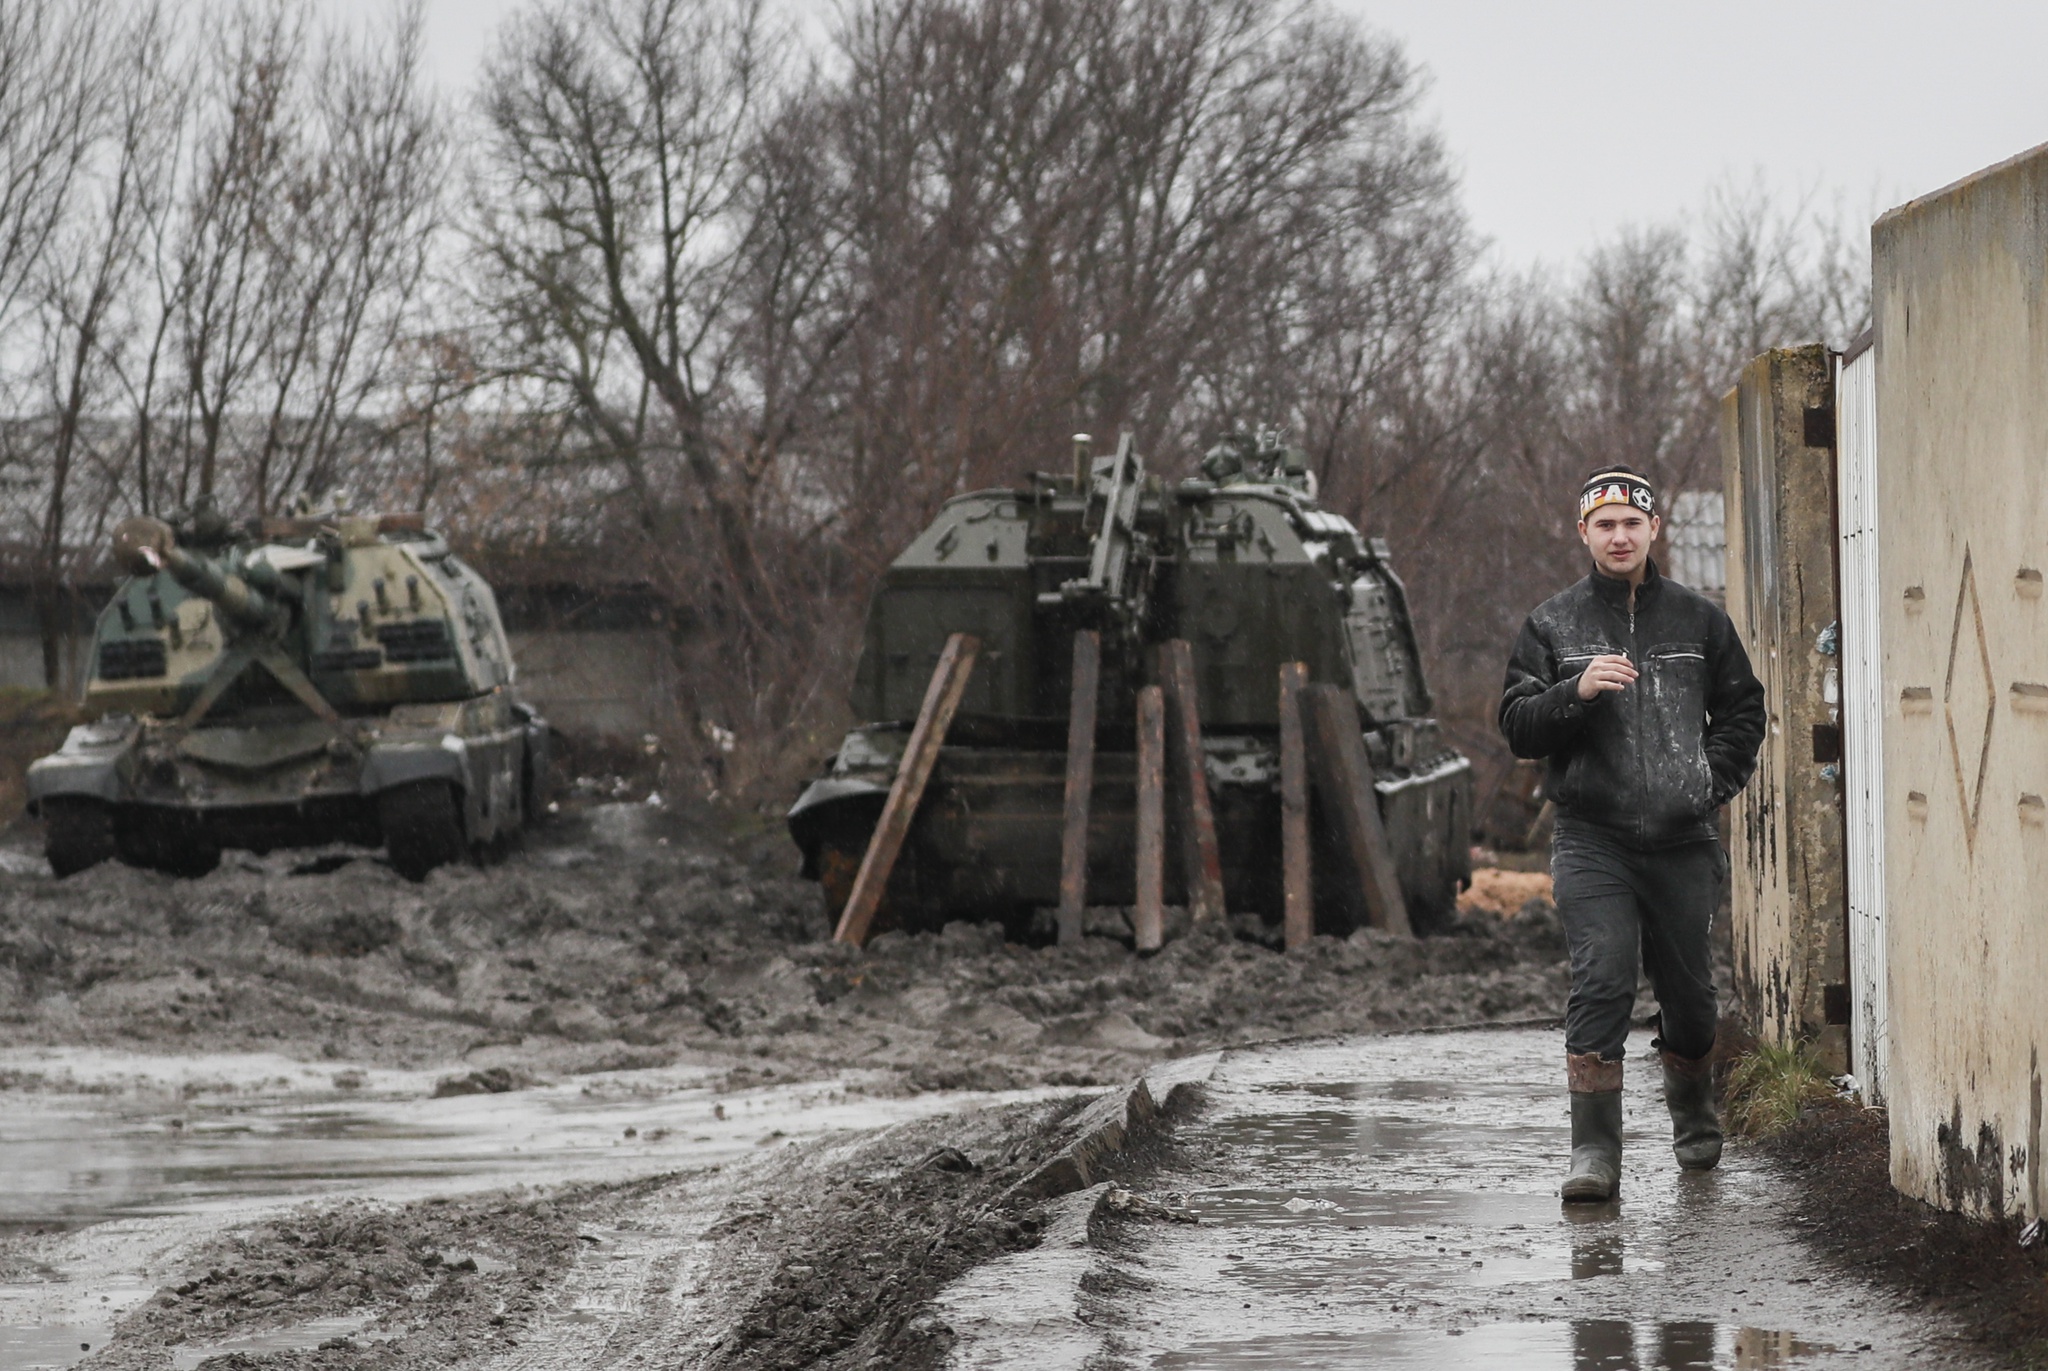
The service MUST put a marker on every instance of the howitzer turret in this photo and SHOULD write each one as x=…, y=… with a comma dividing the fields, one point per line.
x=144, y=547
x=1233, y=574
x=302, y=682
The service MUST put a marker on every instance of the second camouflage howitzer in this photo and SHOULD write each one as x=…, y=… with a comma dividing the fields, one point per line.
x=1247, y=569
x=316, y=681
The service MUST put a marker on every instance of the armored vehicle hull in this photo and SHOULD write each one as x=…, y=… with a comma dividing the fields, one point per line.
x=317, y=683
x=1251, y=573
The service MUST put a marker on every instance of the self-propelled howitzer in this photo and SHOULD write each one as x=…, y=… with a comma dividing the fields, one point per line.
x=1243, y=564
x=312, y=681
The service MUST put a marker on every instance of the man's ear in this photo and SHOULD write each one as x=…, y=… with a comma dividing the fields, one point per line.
x=1582, y=534
x=1656, y=523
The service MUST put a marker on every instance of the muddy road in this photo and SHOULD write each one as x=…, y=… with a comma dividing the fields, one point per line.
x=616, y=1103
x=304, y=1112
x=625, y=936
x=1391, y=1203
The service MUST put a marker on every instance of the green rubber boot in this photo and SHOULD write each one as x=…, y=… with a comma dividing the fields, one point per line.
x=1594, y=1176
x=1689, y=1094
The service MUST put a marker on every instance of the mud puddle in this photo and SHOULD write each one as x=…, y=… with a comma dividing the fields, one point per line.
x=1587, y=1345
x=137, y=1136
x=117, y=1160
x=1391, y=1202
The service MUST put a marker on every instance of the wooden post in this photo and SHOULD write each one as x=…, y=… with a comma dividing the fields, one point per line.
x=1194, y=812
x=941, y=699
x=1080, y=781
x=1299, y=923
x=1149, y=919
x=1343, y=778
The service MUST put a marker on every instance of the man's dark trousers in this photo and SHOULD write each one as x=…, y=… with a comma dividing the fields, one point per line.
x=1614, y=899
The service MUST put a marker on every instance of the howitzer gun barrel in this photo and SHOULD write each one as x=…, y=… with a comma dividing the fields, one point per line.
x=143, y=546
x=1110, y=549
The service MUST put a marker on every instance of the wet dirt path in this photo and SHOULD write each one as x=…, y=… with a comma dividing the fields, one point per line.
x=1391, y=1202
x=131, y=1159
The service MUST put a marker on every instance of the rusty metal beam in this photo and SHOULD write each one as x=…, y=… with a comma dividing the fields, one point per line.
x=1148, y=920
x=1298, y=923
x=1344, y=782
x=934, y=717
x=1193, y=811
x=1080, y=783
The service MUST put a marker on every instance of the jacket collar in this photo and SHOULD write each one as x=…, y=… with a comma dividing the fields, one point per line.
x=1615, y=591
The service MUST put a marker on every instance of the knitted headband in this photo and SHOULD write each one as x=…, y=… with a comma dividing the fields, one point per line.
x=1617, y=488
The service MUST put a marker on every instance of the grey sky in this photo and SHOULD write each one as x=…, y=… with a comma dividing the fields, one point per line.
x=1570, y=120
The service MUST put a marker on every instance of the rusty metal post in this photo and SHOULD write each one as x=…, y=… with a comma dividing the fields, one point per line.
x=934, y=717
x=1148, y=920
x=1344, y=780
x=1080, y=784
x=1194, y=812
x=1300, y=919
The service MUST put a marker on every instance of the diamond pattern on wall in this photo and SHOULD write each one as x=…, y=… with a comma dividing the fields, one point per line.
x=1969, y=701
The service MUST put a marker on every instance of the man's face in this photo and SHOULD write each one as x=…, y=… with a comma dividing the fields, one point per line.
x=1619, y=537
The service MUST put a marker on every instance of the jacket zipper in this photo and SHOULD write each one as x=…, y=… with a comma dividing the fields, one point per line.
x=1635, y=721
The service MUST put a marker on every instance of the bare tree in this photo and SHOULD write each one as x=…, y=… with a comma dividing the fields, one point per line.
x=52, y=100
x=616, y=223
x=361, y=217
x=82, y=302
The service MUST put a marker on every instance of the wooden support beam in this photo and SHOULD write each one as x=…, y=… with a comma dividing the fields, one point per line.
x=1194, y=814
x=1344, y=782
x=934, y=717
x=1148, y=920
x=1299, y=921
x=1080, y=783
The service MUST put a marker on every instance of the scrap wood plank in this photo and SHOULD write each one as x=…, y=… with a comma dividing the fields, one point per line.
x=1148, y=920
x=1344, y=782
x=1080, y=784
x=1194, y=810
x=934, y=717
x=1299, y=921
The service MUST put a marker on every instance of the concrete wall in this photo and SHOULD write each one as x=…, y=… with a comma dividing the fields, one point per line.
x=1791, y=944
x=1960, y=294
x=616, y=682
x=618, y=679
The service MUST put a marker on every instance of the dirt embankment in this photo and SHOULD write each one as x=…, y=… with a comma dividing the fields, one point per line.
x=624, y=936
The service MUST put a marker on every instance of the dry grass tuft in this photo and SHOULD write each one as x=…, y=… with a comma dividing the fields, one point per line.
x=1769, y=1087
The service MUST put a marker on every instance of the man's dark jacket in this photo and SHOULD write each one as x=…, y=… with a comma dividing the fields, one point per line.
x=1654, y=760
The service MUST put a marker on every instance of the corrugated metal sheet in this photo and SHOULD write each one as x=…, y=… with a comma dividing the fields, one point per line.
x=1862, y=720
x=1696, y=532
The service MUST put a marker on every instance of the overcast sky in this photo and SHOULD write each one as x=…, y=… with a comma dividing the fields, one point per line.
x=1570, y=120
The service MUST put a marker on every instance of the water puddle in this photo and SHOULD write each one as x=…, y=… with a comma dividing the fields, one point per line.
x=35, y=1349
x=1584, y=1345
x=299, y=1337
x=105, y=1136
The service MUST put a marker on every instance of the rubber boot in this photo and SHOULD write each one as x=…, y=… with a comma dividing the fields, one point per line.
x=1689, y=1094
x=1595, y=1173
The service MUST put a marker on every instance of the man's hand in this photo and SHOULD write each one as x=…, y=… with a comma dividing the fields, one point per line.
x=1605, y=673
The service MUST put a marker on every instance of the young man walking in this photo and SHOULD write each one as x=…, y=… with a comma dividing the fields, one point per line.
x=1639, y=695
